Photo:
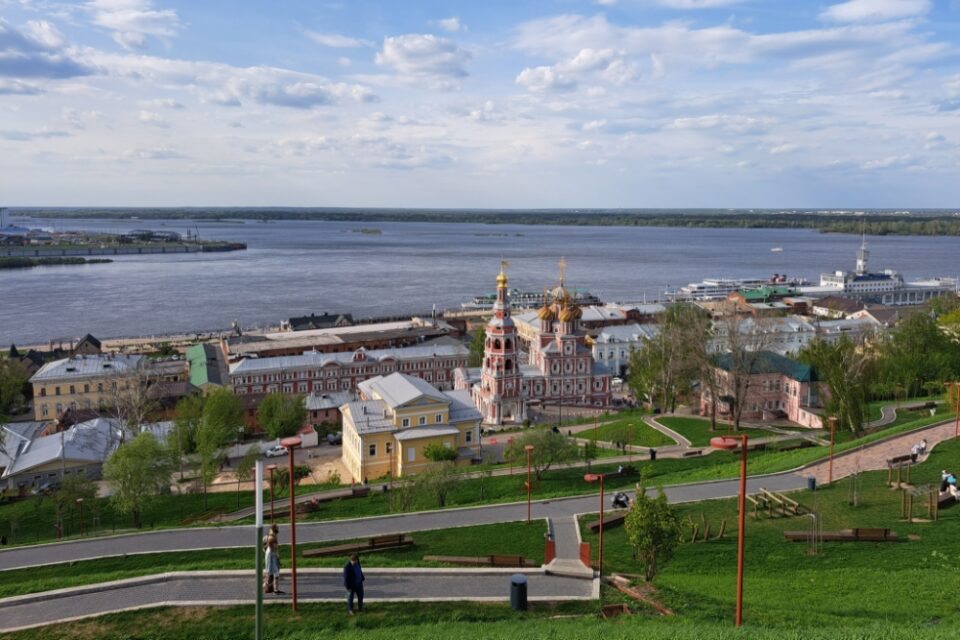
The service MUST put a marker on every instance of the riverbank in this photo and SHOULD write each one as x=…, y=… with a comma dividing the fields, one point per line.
x=27, y=263
x=920, y=222
x=117, y=250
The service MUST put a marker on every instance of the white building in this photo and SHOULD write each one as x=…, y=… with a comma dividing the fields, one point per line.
x=613, y=345
x=787, y=335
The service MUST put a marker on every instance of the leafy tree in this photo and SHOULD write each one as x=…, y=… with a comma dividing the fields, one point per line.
x=653, y=530
x=13, y=378
x=918, y=351
x=281, y=415
x=439, y=453
x=222, y=416
x=437, y=481
x=188, y=416
x=590, y=452
x=846, y=368
x=73, y=487
x=549, y=448
x=743, y=339
x=475, y=357
x=137, y=471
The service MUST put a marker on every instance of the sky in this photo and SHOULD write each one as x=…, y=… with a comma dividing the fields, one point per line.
x=493, y=104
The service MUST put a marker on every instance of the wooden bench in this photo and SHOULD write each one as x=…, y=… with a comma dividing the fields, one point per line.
x=614, y=520
x=896, y=460
x=692, y=452
x=493, y=560
x=379, y=543
x=861, y=534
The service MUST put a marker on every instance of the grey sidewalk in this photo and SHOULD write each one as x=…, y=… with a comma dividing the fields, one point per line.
x=314, y=585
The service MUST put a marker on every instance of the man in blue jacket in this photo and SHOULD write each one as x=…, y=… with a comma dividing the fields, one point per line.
x=353, y=582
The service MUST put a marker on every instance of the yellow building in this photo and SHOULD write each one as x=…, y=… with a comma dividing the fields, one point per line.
x=397, y=418
x=81, y=382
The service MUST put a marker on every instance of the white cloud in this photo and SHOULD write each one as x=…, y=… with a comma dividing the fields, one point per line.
x=697, y=4
x=164, y=103
x=424, y=56
x=37, y=50
x=594, y=125
x=153, y=119
x=453, y=25
x=545, y=79
x=344, y=61
x=26, y=136
x=337, y=41
x=786, y=147
x=724, y=122
x=875, y=10
x=154, y=153
x=132, y=22
x=19, y=88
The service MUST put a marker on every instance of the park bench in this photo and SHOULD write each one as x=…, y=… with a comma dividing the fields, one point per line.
x=692, y=452
x=378, y=543
x=614, y=520
x=861, y=534
x=493, y=560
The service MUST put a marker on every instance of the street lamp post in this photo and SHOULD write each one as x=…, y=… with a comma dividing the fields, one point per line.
x=833, y=430
x=729, y=443
x=594, y=477
x=529, y=449
x=270, y=468
x=291, y=444
x=80, y=504
x=629, y=440
x=956, y=426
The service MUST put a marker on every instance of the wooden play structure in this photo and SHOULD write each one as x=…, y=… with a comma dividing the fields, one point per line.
x=775, y=504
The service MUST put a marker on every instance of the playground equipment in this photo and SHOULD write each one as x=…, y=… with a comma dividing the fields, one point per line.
x=775, y=503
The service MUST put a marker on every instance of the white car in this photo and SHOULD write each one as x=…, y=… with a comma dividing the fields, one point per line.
x=275, y=451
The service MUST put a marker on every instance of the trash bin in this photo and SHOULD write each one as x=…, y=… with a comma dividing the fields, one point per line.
x=812, y=483
x=518, y=592
x=653, y=454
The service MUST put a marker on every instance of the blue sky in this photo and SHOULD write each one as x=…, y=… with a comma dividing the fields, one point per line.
x=572, y=103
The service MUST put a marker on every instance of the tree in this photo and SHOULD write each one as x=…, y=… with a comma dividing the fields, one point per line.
x=744, y=339
x=549, y=448
x=73, y=487
x=653, y=530
x=13, y=378
x=590, y=452
x=138, y=471
x=281, y=415
x=439, y=453
x=437, y=481
x=846, y=369
x=222, y=416
x=477, y=347
x=245, y=468
x=183, y=438
x=129, y=398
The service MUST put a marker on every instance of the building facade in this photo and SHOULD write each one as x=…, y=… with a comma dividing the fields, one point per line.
x=387, y=431
x=613, y=345
x=88, y=382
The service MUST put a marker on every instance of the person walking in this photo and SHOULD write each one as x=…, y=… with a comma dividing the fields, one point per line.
x=353, y=583
x=272, y=561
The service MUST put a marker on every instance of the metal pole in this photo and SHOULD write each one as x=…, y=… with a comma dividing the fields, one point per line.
x=742, y=524
x=271, y=468
x=956, y=426
x=291, y=444
x=529, y=485
x=600, y=545
x=258, y=551
x=833, y=428
x=629, y=441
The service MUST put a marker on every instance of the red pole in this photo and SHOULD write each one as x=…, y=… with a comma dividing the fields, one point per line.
x=529, y=450
x=271, y=468
x=956, y=426
x=742, y=524
x=291, y=444
x=600, y=544
x=833, y=428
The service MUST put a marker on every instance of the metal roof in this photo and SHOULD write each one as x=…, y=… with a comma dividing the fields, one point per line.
x=332, y=400
x=92, y=366
x=461, y=406
x=368, y=416
x=313, y=359
x=90, y=441
x=416, y=433
x=770, y=362
x=398, y=389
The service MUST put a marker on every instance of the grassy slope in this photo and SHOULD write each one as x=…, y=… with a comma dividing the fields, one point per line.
x=640, y=433
x=697, y=430
x=507, y=538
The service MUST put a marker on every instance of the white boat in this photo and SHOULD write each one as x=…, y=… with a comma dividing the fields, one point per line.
x=776, y=249
x=719, y=288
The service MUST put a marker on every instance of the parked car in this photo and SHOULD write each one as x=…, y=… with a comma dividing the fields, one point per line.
x=334, y=438
x=276, y=451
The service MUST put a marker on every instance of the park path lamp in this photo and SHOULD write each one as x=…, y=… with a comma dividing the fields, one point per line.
x=80, y=504
x=730, y=443
x=529, y=449
x=833, y=431
x=594, y=477
x=271, y=468
x=629, y=441
x=290, y=444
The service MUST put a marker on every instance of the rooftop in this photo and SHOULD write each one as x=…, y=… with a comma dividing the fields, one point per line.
x=87, y=367
x=313, y=359
x=398, y=389
x=770, y=362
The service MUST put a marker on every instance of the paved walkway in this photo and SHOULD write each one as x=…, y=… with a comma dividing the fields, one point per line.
x=455, y=584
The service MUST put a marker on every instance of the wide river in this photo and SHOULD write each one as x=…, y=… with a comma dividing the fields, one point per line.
x=298, y=267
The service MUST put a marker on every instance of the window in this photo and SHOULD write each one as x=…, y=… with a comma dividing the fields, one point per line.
x=72, y=390
x=86, y=388
x=438, y=418
x=373, y=450
x=44, y=410
x=43, y=392
x=422, y=421
x=56, y=391
x=468, y=436
x=389, y=448
x=411, y=454
x=406, y=422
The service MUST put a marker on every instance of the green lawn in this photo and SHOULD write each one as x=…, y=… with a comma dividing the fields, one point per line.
x=846, y=585
x=640, y=434
x=697, y=430
x=515, y=538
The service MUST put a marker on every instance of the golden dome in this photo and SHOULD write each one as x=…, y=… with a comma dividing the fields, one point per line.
x=567, y=314
x=546, y=313
x=502, y=280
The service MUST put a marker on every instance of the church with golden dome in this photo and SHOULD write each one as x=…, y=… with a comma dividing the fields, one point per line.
x=559, y=370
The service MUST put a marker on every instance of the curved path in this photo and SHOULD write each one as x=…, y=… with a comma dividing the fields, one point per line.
x=49, y=607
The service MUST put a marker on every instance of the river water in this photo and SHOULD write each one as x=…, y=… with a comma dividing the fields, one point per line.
x=298, y=267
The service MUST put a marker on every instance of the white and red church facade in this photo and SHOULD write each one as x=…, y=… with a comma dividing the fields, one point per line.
x=560, y=369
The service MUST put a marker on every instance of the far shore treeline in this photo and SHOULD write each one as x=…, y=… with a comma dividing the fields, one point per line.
x=920, y=222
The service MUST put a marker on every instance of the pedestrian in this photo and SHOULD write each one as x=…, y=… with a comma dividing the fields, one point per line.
x=272, y=560
x=273, y=532
x=353, y=583
x=914, y=452
x=923, y=446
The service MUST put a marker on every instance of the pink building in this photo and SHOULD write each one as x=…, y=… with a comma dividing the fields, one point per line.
x=778, y=388
x=561, y=370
